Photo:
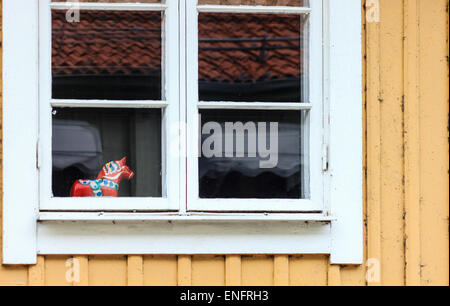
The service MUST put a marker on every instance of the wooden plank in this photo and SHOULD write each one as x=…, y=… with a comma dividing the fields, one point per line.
x=353, y=275
x=107, y=270
x=391, y=147
x=160, y=270
x=412, y=143
x=36, y=273
x=135, y=270
x=184, y=270
x=374, y=98
x=281, y=270
x=83, y=264
x=58, y=271
x=434, y=146
x=233, y=268
x=334, y=275
x=308, y=270
x=208, y=270
x=257, y=270
x=13, y=276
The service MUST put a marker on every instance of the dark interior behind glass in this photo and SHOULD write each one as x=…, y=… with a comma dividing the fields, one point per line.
x=242, y=177
x=85, y=139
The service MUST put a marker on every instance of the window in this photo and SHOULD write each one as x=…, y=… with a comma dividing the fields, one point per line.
x=258, y=84
x=110, y=91
x=212, y=126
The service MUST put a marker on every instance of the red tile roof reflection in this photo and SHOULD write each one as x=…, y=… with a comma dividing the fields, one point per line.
x=232, y=47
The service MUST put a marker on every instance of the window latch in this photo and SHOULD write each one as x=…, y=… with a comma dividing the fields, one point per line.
x=38, y=155
x=324, y=157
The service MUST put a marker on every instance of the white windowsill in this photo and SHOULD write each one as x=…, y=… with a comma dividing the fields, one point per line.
x=194, y=217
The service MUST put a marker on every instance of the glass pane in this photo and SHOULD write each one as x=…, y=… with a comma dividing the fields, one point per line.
x=112, y=55
x=301, y=3
x=254, y=154
x=118, y=1
x=253, y=57
x=86, y=139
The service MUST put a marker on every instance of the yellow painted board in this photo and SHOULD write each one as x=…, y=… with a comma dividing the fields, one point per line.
x=391, y=146
x=373, y=115
x=135, y=270
x=108, y=270
x=257, y=270
x=208, y=270
x=233, y=270
x=160, y=270
x=308, y=270
x=58, y=271
x=36, y=273
x=434, y=150
x=281, y=270
x=184, y=270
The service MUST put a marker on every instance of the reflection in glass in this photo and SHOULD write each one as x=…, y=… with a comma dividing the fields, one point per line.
x=300, y=3
x=252, y=57
x=243, y=157
x=85, y=139
x=119, y=1
x=112, y=55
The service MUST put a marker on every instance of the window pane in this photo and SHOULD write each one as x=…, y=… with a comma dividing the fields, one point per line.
x=85, y=139
x=253, y=57
x=254, y=154
x=112, y=55
x=301, y=3
x=118, y=1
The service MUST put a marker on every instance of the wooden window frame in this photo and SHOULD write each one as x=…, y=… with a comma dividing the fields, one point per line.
x=314, y=106
x=31, y=227
x=169, y=106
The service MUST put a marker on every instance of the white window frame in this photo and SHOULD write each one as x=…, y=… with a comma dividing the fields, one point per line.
x=169, y=104
x=314, y=107
x=336, y=228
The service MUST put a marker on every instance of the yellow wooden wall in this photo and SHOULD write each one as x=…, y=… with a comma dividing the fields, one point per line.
x=406, y=182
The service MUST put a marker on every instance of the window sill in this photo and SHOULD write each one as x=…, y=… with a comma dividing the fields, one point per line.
x=189, y=217
x=158, y=233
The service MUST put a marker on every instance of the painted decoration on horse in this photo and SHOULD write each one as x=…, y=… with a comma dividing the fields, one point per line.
x=107, y=182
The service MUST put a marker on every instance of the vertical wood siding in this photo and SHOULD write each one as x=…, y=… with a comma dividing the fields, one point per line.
x=406, y=188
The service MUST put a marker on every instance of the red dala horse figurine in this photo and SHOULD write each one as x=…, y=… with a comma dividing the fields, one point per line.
x=107, y=182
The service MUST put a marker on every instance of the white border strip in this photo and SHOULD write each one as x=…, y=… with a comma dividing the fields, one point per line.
x=255, y=105
x=108, y=6
x=164, y=237
x=102, y=216
x=109, y=103
x=346, y=147
x=20, y=126
x=253, y=9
